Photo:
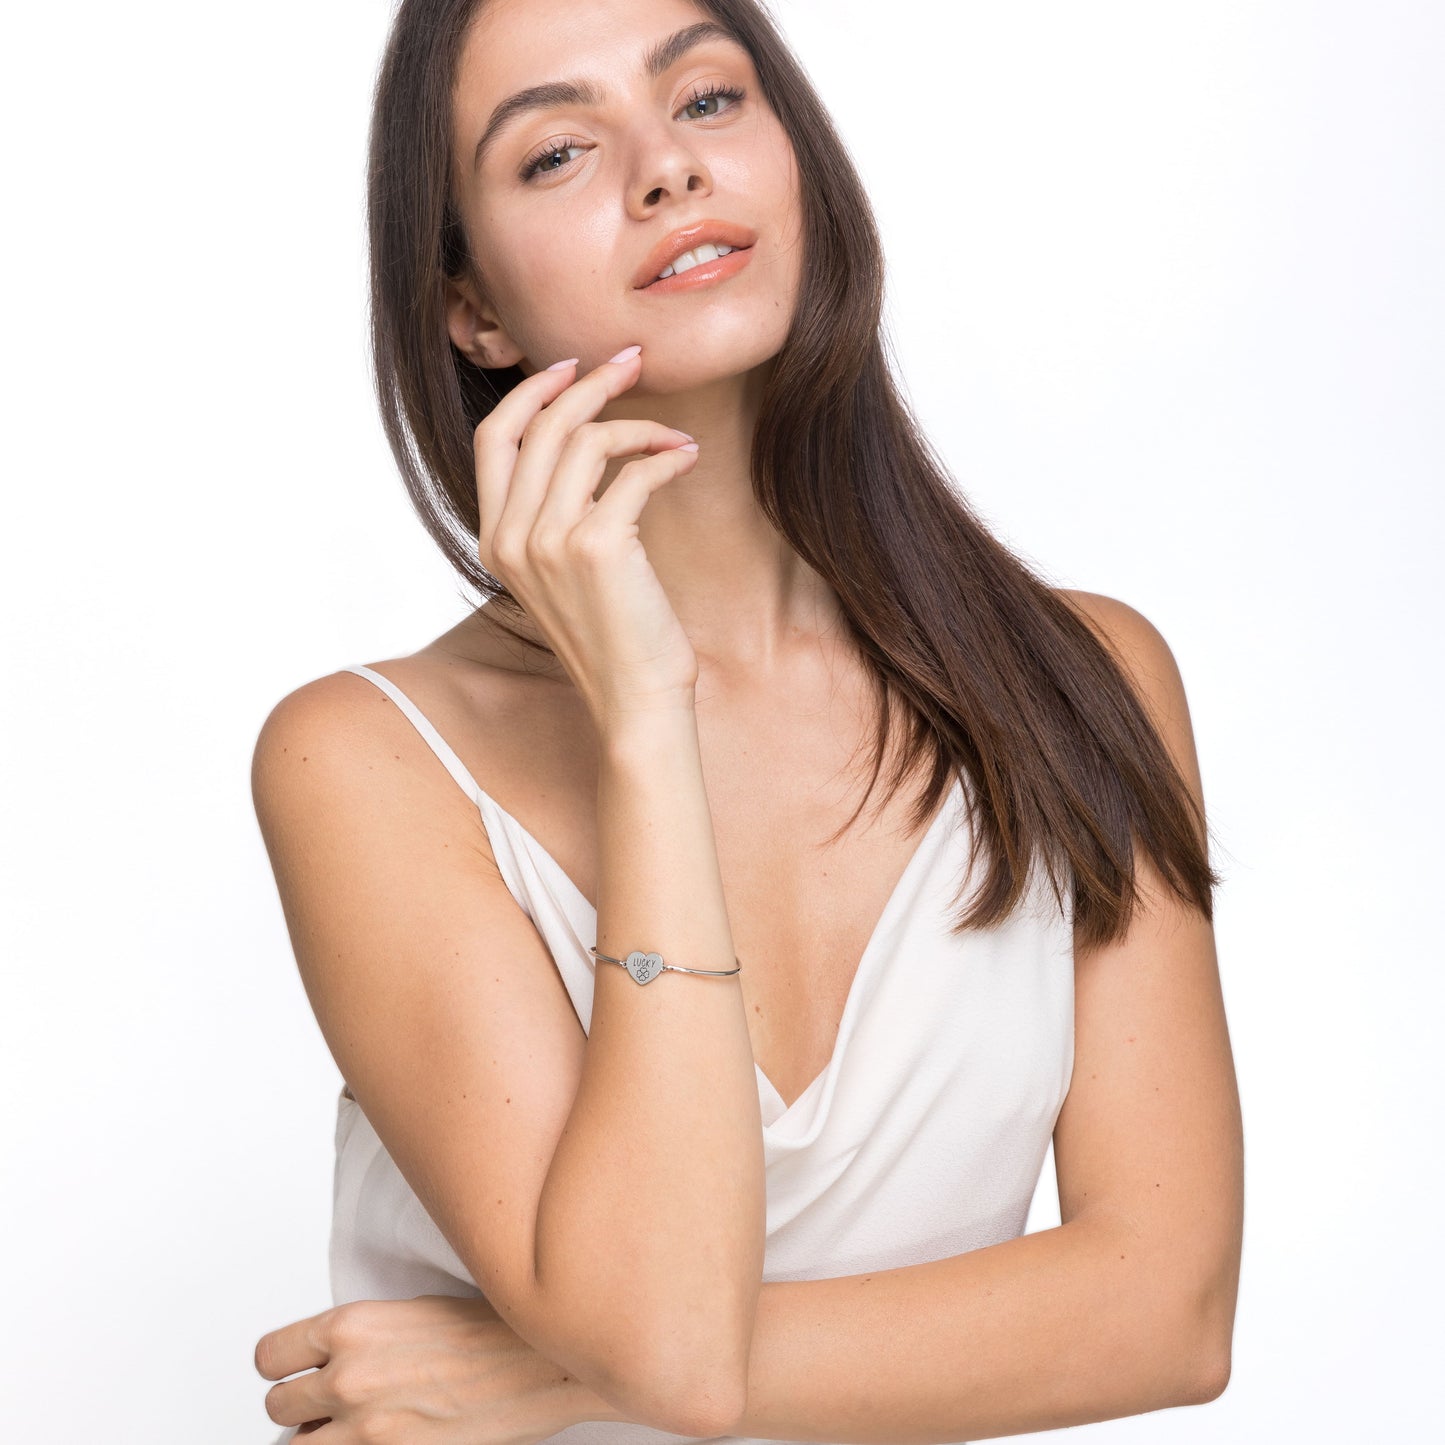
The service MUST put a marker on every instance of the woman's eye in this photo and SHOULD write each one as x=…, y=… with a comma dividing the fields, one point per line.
x=714, y=92
x=542, y=161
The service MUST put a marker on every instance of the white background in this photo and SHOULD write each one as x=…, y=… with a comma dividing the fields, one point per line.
x=1165, y=289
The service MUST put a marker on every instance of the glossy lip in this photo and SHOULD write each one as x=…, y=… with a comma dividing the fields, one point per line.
x=703, y=274
x=724, y=233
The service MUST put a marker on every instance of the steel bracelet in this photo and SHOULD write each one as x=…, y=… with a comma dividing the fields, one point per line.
x=644, y=967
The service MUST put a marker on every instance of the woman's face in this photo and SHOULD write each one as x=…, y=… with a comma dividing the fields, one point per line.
x=568, y=201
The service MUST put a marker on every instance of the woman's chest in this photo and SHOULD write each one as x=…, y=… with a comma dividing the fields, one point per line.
x=806, y=883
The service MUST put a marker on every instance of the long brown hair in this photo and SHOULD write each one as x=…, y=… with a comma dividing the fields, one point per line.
x=999, y=675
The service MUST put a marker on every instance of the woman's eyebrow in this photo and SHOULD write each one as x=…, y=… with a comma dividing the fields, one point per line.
x=657, y=59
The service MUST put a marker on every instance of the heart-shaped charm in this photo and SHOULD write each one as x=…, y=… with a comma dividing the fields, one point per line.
x=644, y=967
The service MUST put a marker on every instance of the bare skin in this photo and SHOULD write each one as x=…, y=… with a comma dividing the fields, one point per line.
x=782, y=707
x=785, y=750
x=783, y=717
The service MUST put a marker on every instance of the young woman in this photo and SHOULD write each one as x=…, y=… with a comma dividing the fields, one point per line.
x=758, y=1166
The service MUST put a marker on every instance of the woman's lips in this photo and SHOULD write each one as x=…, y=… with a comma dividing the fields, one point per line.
x=703, y=274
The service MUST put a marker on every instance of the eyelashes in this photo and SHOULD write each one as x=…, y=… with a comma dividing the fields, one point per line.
x=534, y=165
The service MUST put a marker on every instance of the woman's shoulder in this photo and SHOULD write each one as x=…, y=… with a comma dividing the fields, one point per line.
x=1151, y=669
x=471, y=674
x=347, y=735
x=1114, y=621
x=519, y=735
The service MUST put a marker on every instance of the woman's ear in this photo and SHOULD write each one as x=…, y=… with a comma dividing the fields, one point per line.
x=474, y=331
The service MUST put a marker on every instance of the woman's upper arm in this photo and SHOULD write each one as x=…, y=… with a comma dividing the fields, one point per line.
x=1150, y=1132
x=437, y=997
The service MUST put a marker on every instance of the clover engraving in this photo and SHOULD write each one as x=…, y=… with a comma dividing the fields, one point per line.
x=644, y=967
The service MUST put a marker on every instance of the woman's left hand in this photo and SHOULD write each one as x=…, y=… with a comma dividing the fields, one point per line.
x=433, y=1370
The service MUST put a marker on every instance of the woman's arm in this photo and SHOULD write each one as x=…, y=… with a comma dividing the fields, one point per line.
x=1065, y=1326
x=605, y=1194
x=1128, y=1306
x=1061, y=1327
x=653, y=1215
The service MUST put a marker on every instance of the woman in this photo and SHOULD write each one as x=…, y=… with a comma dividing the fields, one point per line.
x=718, y=560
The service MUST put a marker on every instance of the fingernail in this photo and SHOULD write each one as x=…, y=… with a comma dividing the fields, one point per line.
x=560, y=365
x=677, y=431
x=627, y=353
x=688, y=447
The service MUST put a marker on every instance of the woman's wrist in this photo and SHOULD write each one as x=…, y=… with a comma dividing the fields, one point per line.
x=634, y=739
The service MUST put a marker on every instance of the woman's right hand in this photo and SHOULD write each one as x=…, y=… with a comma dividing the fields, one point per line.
x=577, y=564
x=432, y=1370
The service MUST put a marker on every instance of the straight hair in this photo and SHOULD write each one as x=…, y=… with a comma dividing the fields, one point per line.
x=1001, y=679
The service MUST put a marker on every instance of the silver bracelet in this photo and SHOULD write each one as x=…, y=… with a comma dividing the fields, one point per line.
x=644, y=967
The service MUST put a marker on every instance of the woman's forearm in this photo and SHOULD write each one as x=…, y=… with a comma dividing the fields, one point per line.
x=652, y=1218
x=1043, y=1331
x=1060, y=1327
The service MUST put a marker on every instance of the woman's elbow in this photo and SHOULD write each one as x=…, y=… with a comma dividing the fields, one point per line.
x=1209, y=1377
x=1204, y=1368
x=705, y=1404
x=696, y=1378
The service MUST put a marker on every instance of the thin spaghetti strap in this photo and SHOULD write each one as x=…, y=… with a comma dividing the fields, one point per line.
x=434, y=740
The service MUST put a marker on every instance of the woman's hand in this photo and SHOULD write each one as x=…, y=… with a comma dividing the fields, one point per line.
x=433, y=1370
x=574, y=563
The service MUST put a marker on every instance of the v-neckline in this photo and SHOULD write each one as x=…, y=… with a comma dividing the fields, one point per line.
x=860, y=969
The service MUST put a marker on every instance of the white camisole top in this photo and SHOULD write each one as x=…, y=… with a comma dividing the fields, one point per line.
x=923, y=1138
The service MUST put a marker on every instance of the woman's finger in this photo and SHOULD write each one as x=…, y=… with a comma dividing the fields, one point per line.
x=298, y=1346
x=623, y=502
x=541, y=440
x=611, y=625
x=582, y=463
x=494, y=445
x=299, y=1401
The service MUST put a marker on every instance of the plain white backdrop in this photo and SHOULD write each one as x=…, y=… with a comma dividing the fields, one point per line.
x=1165, y=288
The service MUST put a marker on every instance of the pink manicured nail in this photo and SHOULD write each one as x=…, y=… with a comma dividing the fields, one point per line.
x=687, y=447
x=559, y=365
x=626, y=354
